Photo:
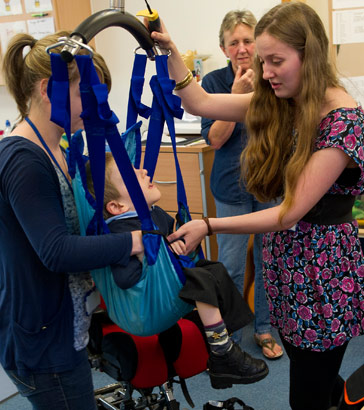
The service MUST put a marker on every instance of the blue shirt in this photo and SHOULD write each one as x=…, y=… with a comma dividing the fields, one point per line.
x=36, y=256
x=225, y=182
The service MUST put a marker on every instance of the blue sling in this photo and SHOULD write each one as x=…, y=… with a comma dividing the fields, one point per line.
x=152, y=305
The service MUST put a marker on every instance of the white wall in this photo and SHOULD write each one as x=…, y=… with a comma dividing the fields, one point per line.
x=193, y=25
x=8, y=109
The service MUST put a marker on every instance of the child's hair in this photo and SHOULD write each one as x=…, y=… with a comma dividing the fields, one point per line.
x=110, y=193
x=26, y=62
x=282, y=134
x=232, y=19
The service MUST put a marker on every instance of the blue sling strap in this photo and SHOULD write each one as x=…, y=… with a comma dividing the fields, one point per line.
x=165, y=107
x=58, y=92
x=135, y=108
x=152, y=305
x=100, y=126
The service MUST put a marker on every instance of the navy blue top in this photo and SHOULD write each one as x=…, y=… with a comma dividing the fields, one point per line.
x=127, y=276
x=225, y=182
x=36, y=253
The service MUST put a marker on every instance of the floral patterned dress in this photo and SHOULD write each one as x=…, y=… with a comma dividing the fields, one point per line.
x=314, y=274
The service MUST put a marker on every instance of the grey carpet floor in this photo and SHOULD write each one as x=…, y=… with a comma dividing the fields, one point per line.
x=270, y=393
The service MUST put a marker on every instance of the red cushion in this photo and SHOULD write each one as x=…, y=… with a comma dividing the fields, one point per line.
x=193, y=357
x=152, y=367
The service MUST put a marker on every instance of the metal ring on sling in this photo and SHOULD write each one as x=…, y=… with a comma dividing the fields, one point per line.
x=163, y=51
x=71, y=42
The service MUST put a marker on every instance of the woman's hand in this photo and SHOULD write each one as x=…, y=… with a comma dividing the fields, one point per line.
x=161, y=37
x=138, y=247
x=192, y=232
x=243, y=83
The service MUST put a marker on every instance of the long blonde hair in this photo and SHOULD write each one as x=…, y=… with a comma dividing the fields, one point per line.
x=23, y=71
x=282, y=134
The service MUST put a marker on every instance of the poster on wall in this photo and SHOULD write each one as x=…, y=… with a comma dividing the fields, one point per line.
x=10, y=7
x=347, y=4
x=34, y=6
x=39, y=28
x=8, y=30
x=348, y=26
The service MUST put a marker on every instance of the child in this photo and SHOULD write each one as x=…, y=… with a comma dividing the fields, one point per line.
x=208, y=286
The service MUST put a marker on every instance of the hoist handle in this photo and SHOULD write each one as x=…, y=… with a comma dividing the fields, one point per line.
x=102, y=20
x=154, y=22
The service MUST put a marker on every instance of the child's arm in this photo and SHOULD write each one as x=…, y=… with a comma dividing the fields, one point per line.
x=127, y=276
x=179, y=247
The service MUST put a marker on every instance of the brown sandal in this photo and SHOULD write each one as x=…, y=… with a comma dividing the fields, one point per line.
x=268, y=343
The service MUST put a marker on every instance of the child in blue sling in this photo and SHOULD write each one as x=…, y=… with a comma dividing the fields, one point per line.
x=208, y=286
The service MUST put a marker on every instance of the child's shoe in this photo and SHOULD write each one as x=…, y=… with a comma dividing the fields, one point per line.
x=235, y=367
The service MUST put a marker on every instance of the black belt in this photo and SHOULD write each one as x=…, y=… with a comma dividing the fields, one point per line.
x=331, y=210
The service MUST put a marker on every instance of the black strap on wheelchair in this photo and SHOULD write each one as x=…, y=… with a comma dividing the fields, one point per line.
x=228, y=404
x=186, y=393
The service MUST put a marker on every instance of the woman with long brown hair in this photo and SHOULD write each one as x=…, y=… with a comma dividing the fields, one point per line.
x=305, y=147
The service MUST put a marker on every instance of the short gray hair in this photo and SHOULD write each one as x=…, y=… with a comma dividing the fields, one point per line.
x=232, y=19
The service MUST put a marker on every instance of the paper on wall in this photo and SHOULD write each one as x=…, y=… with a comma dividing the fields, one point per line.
x=347, y=4
x=8, y=30
x=40, y=27
x=348, y=26
x=10, y=7
x=34, y=6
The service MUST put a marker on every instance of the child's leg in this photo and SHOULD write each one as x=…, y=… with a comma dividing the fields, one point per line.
x=227, y=364
x=216, y=334
x=209, y=314
x=210, y=288
x=210, y=283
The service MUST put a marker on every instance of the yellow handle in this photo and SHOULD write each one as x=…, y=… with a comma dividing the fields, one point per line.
x=145, y=13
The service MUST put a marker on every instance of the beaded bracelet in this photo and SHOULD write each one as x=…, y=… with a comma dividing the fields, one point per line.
x=184, y=83
x=209, y=230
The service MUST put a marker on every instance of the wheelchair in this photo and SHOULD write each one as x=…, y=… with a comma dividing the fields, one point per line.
x=146, y=368
x=353, y=395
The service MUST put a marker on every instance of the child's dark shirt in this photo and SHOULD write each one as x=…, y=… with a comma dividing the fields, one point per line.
x=127, y=276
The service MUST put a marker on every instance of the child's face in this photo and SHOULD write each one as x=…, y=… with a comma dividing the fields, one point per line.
x=150, y=191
